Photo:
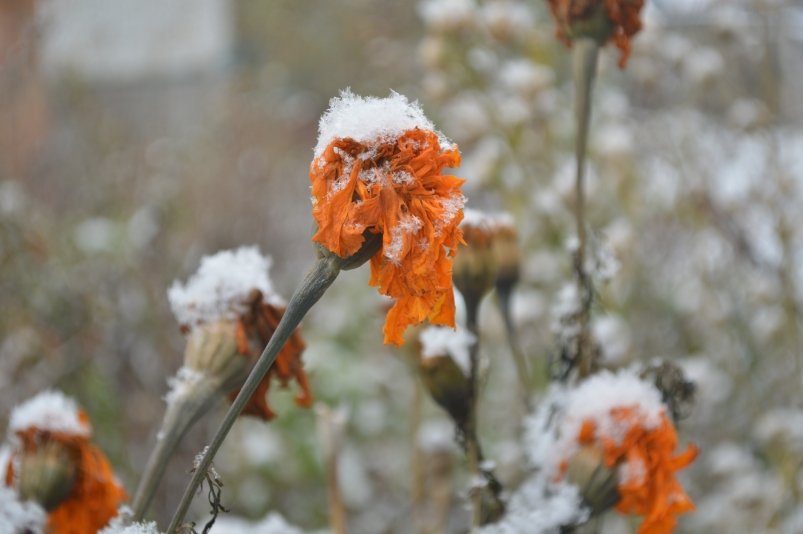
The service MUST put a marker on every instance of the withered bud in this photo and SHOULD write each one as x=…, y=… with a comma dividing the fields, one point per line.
x=596, y=481
x=48, y=473
x=474, y=271
x=447, y=385
x=212, y=350
x=507, y=254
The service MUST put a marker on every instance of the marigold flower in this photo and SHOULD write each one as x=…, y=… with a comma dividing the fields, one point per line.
x=378, y=169
x=625, y=417
x=95, y=493
x=231, y=290
x=605, y=20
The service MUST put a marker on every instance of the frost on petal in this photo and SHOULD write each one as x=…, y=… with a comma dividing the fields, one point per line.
x=49, y=411
x=220, y=287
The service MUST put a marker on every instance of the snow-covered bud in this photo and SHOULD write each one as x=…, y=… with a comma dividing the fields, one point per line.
x=444, y=369
x=212, y=351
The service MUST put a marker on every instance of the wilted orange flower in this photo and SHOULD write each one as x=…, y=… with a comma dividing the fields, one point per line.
x=255, y=328
x=394, y=186
x=622, y=17
x=647, y=485
x=95, y=495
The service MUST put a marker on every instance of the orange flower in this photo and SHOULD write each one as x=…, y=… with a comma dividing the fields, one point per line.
x=622, y=20
x=393, y=185
x=95, y=494
x=647, y=485
x=255, y=328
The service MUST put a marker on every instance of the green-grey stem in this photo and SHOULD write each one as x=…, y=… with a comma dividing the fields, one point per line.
x=584, y=65
x=505, y=293
x=181, y=414
x=320, y=277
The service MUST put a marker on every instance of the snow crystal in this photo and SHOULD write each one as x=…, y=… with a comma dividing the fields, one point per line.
x=179, y=385
x=121, y=524
x=540, y=507
x=49, y=410
x=371, y=119
x=408, y=225
x=220, y=286
x=451, y=206
x=16, y=516
x=596, y=397
x=273, y=523
x=443, y=341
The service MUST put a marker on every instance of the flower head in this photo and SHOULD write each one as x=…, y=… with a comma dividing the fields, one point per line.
x=230, y=311
x=623, y=417
x=88, y=494
x=605, y=20
x=378, y=169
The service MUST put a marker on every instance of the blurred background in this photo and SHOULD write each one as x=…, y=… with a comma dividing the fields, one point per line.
x=137, y=136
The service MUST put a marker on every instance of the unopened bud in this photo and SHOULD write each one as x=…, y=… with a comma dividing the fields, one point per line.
x=474, y=270
x=596, y=481
x=507, y=254
x=447, y=384
x=47, y=473
x=212, y=351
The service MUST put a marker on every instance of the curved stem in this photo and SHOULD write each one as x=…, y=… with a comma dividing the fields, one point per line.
x=181, y=414
x=320, y=277
x=505, y=293
x=584, y=65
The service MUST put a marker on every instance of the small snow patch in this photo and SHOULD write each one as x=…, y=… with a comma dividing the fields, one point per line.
x=49, y=410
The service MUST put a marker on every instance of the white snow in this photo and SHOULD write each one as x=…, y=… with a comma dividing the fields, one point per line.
x=408, y=225
x=49, y=410
x=220, y=286
x=445, y=15
x=443, y=341
x=180, y=385
x=16, y=516
x=121, y=524
x=273, y=523
x=371, y=120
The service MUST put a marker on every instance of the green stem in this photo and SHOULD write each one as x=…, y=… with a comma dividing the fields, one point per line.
x=584, y=65
x=321, y=276
x=181, y=414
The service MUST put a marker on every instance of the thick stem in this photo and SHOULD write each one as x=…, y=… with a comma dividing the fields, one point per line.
x=471, y=440
x=321, y=276
x=181, y=414
x=584, y=65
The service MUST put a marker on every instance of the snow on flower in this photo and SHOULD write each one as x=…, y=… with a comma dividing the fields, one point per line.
x=378, y=170
x=624, y=417
x=232, y=296
x=49, y=411
x=96, y=493
x=220, y=287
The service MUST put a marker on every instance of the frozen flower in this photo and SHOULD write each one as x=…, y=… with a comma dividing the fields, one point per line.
x=54, y=463
x=604, y=20
x=378, y=170
x=623, y=417
x=230, y=311
x=475, y=263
